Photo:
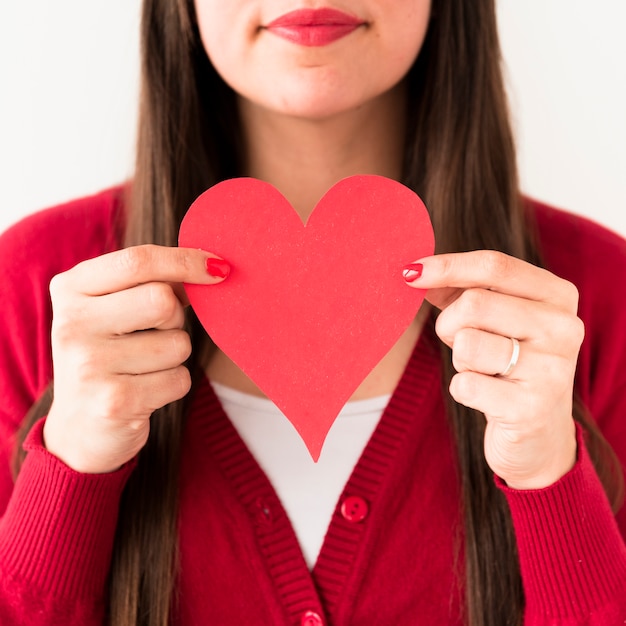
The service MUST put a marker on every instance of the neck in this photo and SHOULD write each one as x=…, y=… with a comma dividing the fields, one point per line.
x=303, y=158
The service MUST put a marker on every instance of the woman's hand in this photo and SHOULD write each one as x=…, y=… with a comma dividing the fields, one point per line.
x=486, y=299
x=118, y=349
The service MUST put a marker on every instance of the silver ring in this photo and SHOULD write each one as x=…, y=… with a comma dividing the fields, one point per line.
x=514, y=357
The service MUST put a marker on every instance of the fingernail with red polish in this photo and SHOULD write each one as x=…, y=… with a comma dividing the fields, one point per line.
x=412, y=272
x=218, y=268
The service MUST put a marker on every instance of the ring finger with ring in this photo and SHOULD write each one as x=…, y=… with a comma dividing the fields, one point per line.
x=486, y=353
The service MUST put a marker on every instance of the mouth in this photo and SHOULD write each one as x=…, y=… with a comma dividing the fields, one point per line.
x=314, y=27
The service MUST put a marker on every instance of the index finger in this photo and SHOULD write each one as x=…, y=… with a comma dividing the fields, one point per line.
x=452, y=273
x=130, y=267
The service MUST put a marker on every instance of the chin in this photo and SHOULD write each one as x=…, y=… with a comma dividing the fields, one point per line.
x=317, y=101
x=314, y=110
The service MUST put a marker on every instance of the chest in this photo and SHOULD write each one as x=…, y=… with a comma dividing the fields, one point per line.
x=392, y=549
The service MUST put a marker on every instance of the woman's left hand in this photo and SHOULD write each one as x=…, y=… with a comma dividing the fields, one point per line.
x=487, y=299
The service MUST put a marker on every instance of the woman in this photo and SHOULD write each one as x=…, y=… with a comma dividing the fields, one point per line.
x=137, y=501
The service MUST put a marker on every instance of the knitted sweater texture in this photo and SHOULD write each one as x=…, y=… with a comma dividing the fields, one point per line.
x=398, y=562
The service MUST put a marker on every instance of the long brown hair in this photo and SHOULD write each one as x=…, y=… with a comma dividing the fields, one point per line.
x=459, y=157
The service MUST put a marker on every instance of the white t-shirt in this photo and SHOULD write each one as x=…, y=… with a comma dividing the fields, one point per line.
x=308, y=491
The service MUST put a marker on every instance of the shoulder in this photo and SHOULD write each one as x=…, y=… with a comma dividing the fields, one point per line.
x=59, y=237
x=592, y=257
x=589, y=255
x=577, y=248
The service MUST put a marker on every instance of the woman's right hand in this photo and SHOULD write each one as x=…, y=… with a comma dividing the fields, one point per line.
x=118, y=350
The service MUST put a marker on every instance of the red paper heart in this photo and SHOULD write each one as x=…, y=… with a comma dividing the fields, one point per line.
x=308, y=311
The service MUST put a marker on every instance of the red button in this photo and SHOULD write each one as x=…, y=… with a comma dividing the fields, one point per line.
x=263, y=512
x=311, y=618
x=354, y=509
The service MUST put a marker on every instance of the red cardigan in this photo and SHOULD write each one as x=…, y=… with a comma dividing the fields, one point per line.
x=394, y=564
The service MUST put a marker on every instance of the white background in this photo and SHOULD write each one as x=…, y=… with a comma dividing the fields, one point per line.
x=68, y=89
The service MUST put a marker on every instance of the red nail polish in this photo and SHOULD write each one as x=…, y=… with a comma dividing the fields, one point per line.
x=412, y=272
x=217, y=267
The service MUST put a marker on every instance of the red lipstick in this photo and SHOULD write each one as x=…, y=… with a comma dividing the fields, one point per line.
x=314, y=27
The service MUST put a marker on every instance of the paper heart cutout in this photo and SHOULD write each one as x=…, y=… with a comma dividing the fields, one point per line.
x=308, y=310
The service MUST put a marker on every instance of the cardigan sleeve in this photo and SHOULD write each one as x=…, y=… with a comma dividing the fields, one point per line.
x=571, y=544
x=572, y=554
x=56, y=539
x=57, y=526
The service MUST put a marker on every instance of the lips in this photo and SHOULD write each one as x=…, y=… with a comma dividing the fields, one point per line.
x=314, y=27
